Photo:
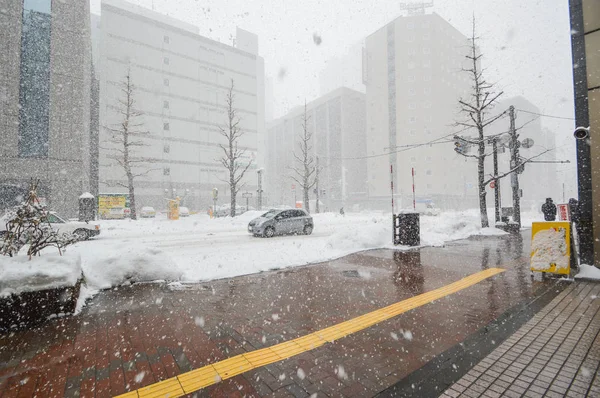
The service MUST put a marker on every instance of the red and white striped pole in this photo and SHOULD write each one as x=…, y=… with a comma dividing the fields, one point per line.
x=413, y=186
x=392, y=185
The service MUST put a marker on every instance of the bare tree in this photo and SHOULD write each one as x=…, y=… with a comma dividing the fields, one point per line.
x=124, y=137
x=476, y=108
x=305, y=171
x=232, y=154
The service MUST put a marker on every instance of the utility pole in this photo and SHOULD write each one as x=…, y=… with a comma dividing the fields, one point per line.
x=317, y=185
x=260, y=191
x=496, y=180
x=514, y=164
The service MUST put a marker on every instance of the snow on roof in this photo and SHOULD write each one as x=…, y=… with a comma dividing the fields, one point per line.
x=86, y=195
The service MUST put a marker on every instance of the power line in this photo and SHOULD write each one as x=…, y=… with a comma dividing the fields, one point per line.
x=544, y=115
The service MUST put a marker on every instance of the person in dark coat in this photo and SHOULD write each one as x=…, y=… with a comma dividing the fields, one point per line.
x=549, y=210
x=574, y=210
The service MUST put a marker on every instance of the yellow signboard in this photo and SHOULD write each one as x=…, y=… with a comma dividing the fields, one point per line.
x=551, y=247
x=112, y=205
x=173, y=209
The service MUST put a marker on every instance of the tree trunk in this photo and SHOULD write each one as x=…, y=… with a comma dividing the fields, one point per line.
x=482, y=194
x=306, y=202
x=132, y=207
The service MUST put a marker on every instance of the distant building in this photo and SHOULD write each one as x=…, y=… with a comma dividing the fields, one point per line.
x=412, y=72
x=538, y=180
x=45, y=88
x=343, y=71
x=337, y=123
x=181, y=81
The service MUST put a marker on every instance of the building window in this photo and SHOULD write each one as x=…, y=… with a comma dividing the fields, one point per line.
x=413, y=159
x=410, y=78
x=166, y=104
x=428, y=172
x=411, y=65
x=427, y=64
x=166, y=171
x=412, y=132
x=427, y=78
x=166, y=60
x=427, y=90
x=166, y=82
x=410, y=38
x=412, y=105
x=412, y=119
x=410, y=26
x=426, y=50
x=426, y=36
x=429, y=159
x=166, y=148
x=427, y=105
x=412, y=51
x=166, y=39
x=166, y=126
x=34, y=92
x=411, y=91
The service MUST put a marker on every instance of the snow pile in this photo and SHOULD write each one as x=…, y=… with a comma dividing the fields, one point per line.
x=19, y=274
x=122, y=263
x=198, y=248
x=588, y=272
x=549, y=248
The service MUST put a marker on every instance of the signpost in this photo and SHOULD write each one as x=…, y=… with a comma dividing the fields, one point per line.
x=247, y=196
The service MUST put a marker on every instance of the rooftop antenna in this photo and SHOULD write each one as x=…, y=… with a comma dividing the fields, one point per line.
x=416, y=8
x=152, y=5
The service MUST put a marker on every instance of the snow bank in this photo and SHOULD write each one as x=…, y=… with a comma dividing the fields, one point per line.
x=198, y=248
x=19, y=274
x=588, y=272
x=105, y=267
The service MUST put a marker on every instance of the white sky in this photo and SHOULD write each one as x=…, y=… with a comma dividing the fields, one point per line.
x=526, y=44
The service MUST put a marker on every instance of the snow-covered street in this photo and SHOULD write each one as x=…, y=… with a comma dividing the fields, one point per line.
x=198, y=248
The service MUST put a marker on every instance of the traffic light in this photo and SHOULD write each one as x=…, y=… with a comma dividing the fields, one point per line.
x=460, y=145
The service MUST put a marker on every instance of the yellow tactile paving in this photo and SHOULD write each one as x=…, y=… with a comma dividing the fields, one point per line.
x=287, y=349
x=197, y=379
x=232, y=366
x=167, y=388
x=262, y=357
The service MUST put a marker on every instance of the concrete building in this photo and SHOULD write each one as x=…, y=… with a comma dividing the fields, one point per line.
x=337, y=122
x=181, y=80
x=343, y=71
x=585, y=44
x=412, y=72
x=45, y=101
x=538, y=180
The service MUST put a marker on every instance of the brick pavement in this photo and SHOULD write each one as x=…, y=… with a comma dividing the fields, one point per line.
x=555, y=354
x=133, y=336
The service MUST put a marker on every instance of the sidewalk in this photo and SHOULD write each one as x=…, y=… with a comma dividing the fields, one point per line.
x=555, y=354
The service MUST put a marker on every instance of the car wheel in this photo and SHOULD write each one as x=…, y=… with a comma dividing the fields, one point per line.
x=269, y=232
x=81, y=234
x=308, y=229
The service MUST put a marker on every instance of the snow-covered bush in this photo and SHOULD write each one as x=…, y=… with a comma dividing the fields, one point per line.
x=28, y=224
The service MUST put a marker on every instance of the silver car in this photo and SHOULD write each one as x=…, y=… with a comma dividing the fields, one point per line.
x=281, y=222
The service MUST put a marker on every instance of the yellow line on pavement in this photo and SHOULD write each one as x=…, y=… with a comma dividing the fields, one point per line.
x=197, y=379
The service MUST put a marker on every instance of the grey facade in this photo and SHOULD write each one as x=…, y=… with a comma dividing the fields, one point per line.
x=337, y=122
x=181, y=81
x=45, y=100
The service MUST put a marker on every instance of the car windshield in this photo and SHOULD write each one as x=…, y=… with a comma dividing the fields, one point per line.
x=299, y=197
x=271, y=214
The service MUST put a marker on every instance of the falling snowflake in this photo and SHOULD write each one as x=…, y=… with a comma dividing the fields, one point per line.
x=301, y=374
x=199, y=321
x=139, y=377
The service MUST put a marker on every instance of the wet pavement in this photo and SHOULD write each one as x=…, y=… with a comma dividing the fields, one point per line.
x=137, y=335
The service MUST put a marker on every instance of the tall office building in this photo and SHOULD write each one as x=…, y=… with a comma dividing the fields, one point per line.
x=45, y=101
x=181, y=82
x=412, y=72
x=337, y=124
